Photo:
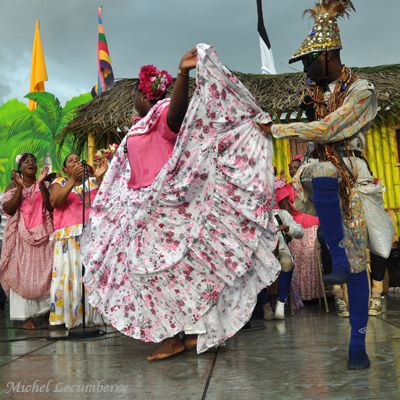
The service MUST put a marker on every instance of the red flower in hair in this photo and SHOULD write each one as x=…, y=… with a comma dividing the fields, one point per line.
x=298, y=157
x=154, y=83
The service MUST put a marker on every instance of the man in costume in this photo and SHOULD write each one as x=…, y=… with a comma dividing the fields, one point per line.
x=341, y=108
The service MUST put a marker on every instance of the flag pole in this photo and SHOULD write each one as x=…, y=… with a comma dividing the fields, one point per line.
x=267, y=57
x=38, y=66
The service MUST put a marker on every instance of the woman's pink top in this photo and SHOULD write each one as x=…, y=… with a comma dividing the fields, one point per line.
x=31, y=207
x=70, y=213
x=305, y=220
x=148, y=153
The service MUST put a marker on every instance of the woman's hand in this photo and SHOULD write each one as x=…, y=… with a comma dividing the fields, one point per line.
x=77, y=172
x=43, y=174
x=283, y=228
x=180, y=94
x=101, y=170
x=17, y=178
x=188, y=61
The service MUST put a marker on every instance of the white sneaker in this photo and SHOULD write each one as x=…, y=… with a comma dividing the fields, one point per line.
x=375, y=307
x=267, y=311
x=279, y=310
x=341, y=308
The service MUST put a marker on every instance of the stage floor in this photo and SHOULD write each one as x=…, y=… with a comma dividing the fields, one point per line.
x=303, y=357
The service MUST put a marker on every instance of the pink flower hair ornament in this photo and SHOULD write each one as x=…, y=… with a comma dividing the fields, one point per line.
x=298, y=157
x=154, y=83
x=18, y=157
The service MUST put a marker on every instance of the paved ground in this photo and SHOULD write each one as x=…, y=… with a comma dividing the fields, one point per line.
x=303, y=357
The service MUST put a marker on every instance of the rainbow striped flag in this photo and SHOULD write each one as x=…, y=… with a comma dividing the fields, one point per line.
x=105, y=72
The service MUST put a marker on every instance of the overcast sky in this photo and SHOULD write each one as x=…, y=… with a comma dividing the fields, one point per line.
x=160, y=31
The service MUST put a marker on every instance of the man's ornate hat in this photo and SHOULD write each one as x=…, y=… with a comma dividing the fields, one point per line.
x=325, y=34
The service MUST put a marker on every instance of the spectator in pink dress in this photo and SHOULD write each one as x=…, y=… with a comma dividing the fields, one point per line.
x=305, y=277
x=26, y=259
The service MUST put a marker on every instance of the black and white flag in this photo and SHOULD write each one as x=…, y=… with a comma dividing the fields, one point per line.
x=267, y=58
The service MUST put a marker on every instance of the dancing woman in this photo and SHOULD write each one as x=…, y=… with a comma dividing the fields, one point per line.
x=186, y=255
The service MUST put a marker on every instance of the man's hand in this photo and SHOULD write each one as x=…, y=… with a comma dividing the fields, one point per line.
x=267, y=131
x=264, y=121
x=188, y=61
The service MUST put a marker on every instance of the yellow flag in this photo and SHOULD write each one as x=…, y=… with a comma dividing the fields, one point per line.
x=38, y=68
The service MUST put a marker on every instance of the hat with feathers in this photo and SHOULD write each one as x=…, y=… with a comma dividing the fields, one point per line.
x=325, y=34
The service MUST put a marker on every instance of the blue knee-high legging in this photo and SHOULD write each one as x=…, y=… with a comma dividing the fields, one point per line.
x=285, y=279
x=327, y=204
x=358, y=292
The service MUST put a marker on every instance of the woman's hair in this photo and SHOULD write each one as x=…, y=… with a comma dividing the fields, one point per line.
x=22, y=159
x=66, y=159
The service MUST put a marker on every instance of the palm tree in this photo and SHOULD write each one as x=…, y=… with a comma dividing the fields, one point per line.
x=39, y=132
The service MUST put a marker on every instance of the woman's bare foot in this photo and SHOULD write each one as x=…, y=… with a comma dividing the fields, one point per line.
x=168, y=348
x=190, y=342
x=29, y=325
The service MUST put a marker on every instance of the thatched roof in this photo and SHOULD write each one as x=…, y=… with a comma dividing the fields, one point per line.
x=108, y=115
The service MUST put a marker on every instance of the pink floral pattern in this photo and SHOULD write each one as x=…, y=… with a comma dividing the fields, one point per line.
x=197, y=243
x=26, y=259
x=305, y=280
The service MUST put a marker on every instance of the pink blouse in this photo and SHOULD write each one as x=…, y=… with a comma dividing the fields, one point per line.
x=31, y=207
x=70, y=213
x=148, y=153
x=305, y=220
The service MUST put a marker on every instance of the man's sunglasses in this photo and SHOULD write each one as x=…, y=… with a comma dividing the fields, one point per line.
x=309, y=58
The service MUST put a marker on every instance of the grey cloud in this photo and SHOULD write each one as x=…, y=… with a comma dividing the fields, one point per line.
x=160, y=31
x=5, y=91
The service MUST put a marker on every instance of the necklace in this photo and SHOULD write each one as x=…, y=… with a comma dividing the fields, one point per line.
x=323, y=108
x=29, y=192
x=316, y=94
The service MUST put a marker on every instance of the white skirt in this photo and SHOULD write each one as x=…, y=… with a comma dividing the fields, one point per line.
x=22, y=309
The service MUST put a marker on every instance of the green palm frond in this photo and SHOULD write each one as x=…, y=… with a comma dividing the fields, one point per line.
x=68, y=114
x=21, y=124
x=69, y=111
x=77, y=101
x=39, y=132
x=3, y=165
x=49, y=109
x=21, y=137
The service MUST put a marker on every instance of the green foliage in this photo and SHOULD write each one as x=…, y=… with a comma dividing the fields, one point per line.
x=8, y=113
x=37, y=132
